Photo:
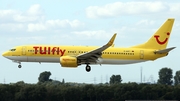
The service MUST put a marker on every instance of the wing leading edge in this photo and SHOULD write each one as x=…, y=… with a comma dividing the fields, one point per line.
x=93, y=55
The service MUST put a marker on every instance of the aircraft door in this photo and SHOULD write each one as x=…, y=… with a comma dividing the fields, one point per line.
x=141, y=54
x=23, y=50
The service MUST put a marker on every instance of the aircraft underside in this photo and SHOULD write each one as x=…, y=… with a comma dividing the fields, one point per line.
x=20, y=59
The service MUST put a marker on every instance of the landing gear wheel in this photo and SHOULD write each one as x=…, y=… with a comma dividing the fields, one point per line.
x=88, y=68
x=19, y=66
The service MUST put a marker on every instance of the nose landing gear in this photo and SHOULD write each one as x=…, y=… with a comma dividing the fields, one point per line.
x=19, y=66
x=19, y=62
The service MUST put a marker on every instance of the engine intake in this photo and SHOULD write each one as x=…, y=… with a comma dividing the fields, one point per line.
x=68, y=61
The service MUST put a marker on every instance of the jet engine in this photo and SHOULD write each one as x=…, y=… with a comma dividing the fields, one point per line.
x=68, y=61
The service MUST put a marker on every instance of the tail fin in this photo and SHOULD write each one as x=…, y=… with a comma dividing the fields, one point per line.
x=160, y=39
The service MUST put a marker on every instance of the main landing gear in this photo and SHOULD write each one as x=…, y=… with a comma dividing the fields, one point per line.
x=88, y=68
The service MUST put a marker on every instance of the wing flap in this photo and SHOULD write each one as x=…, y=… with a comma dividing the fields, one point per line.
x=164, y=50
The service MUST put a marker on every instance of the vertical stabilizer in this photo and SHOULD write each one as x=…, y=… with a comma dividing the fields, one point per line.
x=160, y=38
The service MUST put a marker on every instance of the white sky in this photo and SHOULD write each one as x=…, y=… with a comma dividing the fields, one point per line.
x=89, y=22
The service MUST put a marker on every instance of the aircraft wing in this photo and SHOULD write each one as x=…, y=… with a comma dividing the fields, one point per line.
x=93, y=55
x=164, y=50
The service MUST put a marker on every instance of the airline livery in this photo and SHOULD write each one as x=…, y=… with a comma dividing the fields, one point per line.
x=73, y=56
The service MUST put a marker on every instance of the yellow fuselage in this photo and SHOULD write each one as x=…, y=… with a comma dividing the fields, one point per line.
x=49, y=53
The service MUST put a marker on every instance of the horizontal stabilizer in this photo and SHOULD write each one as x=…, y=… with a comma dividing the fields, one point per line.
x=164, y=50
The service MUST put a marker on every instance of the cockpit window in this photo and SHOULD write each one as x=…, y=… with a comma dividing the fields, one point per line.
x=12, y=49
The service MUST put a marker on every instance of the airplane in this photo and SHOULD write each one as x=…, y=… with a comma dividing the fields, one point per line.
x=74, y=56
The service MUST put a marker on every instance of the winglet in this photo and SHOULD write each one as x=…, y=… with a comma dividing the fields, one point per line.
x=111, y=41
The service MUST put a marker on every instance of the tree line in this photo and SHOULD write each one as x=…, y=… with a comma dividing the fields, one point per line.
x=51, y=90
x=88, y=92
x=165, y=77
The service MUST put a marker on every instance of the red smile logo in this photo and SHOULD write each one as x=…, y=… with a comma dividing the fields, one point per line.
x=161, y=42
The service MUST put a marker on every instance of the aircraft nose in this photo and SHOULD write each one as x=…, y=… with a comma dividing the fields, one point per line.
x=5, y=54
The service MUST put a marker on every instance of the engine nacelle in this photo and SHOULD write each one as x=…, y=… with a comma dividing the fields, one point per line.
x=68, y=61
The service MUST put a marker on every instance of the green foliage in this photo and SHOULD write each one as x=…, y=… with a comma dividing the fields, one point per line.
x=177, y=78
x=44, y=77
x=88, y=92
x=31, y=93
x=115, y=79
x=165, y=76
x=61, y=91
